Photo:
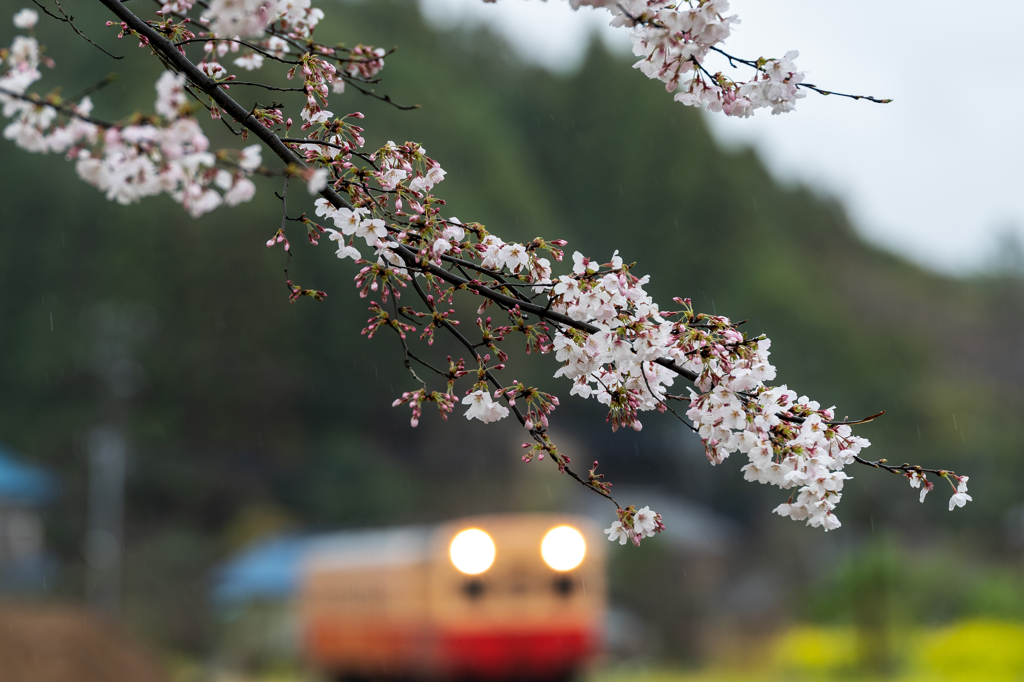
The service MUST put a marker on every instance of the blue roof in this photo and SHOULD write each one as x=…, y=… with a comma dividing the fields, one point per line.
x=23, y=483
x=268, y=570
x=271, y=569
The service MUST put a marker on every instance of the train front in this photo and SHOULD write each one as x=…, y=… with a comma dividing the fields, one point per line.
x=516, y=596
x=502, y=597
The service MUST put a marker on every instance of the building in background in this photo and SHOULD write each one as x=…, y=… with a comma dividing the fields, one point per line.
x=24, y=491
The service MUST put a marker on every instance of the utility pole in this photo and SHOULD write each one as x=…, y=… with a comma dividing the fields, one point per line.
x=118, y=329
x=104, y=538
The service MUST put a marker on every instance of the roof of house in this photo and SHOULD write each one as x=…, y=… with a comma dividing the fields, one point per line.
x=23, y=483
x=271, y=569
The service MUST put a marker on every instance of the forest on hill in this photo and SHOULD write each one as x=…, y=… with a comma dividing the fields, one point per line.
x=248, y=414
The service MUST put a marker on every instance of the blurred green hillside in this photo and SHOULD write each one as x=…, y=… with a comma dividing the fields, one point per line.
x=248, y=414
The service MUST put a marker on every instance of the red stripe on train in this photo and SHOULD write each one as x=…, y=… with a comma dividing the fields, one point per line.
x=497, y=654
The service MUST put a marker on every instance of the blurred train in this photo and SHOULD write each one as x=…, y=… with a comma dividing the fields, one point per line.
x=516, y=596
x=502, y=597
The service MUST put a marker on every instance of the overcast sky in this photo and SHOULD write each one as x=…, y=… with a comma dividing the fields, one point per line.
x=936, y=175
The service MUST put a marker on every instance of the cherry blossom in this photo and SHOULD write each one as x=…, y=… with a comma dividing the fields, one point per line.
x=960, y=496
x=26, y=18
x=317, y=181
x=617, y=532
x=252, y=17
x=634, y=525
x=249, y=62
x=482, y=407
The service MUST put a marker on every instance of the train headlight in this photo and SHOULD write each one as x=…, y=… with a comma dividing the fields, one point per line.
x=472, y=551
x=563, y=548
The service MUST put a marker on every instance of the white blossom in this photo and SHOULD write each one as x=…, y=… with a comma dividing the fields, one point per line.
x=959, y=500
x=241, y=191
x=515, y=257
x=249, y=62
x=26, y=18
x=344, y=250
x=317, y=181
x=482, y=407
x=170, y=95
x=250, y=158
x=644, y=522
x=372, y=230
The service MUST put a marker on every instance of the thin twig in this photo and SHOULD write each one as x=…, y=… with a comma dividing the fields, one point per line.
x=261, y=85
x=63, y=108
x=99, y=85
x=903, y=468
x=382, y=98
x=821, y=91
x=70, y=21
x=662, y=402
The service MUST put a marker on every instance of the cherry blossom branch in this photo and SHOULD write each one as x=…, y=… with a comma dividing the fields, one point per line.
x=212, y=88
x=675, y=38
x=916, y=475
x=759, y=66
x=538, y=310
x=613, y=342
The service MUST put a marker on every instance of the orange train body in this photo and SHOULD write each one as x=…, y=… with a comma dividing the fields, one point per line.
x=393, y=604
